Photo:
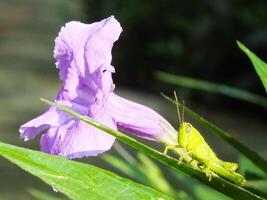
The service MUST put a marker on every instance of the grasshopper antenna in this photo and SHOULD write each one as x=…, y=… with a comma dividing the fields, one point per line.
x=177, y=107
x=183, y=105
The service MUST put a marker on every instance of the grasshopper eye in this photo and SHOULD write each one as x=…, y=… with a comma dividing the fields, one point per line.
x=188, y=128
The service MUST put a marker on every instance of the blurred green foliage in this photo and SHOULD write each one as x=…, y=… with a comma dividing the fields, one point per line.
x=212, y=87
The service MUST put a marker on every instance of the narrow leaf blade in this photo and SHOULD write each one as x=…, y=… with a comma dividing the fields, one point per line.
x=259, y=65
x=212, y=87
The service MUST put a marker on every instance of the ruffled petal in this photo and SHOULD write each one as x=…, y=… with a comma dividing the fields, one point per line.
x=83, y=54
x=98, y=56
x=69, y=46
x=98, y=47
x=77, y=42
x=76, y=139
x=53, y=117
x=140, y=120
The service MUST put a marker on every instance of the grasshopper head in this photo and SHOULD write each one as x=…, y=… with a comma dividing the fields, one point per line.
x=185, y=131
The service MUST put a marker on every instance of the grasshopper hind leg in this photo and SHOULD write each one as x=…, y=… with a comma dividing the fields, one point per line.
x=231, y=166
x=227, y=171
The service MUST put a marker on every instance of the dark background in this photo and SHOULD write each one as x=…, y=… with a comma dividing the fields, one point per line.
x=192, y=38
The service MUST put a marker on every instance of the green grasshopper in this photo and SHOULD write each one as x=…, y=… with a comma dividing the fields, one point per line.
x=194, y=145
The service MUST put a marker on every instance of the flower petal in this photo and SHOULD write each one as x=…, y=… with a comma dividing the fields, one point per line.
x=69, y=46
x=98, y=46
x=98, y=56
x=51, y=118
x=76, y=139
x=77, y=42
x=83, y=54
x=140, y=120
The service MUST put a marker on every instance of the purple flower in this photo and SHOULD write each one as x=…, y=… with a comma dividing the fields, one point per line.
x=83, y=55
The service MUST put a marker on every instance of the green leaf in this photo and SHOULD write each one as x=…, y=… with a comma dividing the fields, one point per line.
x=260, y=185
x=40, y=195
x=203, y=192
x=259, y=65
x=218, y=183
x=246, y=166
x=154, y=174
x=199, y=191
x=145, y=171
x=250, y=154
x=77, y=180
x=212, y=87
x=124, y=167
